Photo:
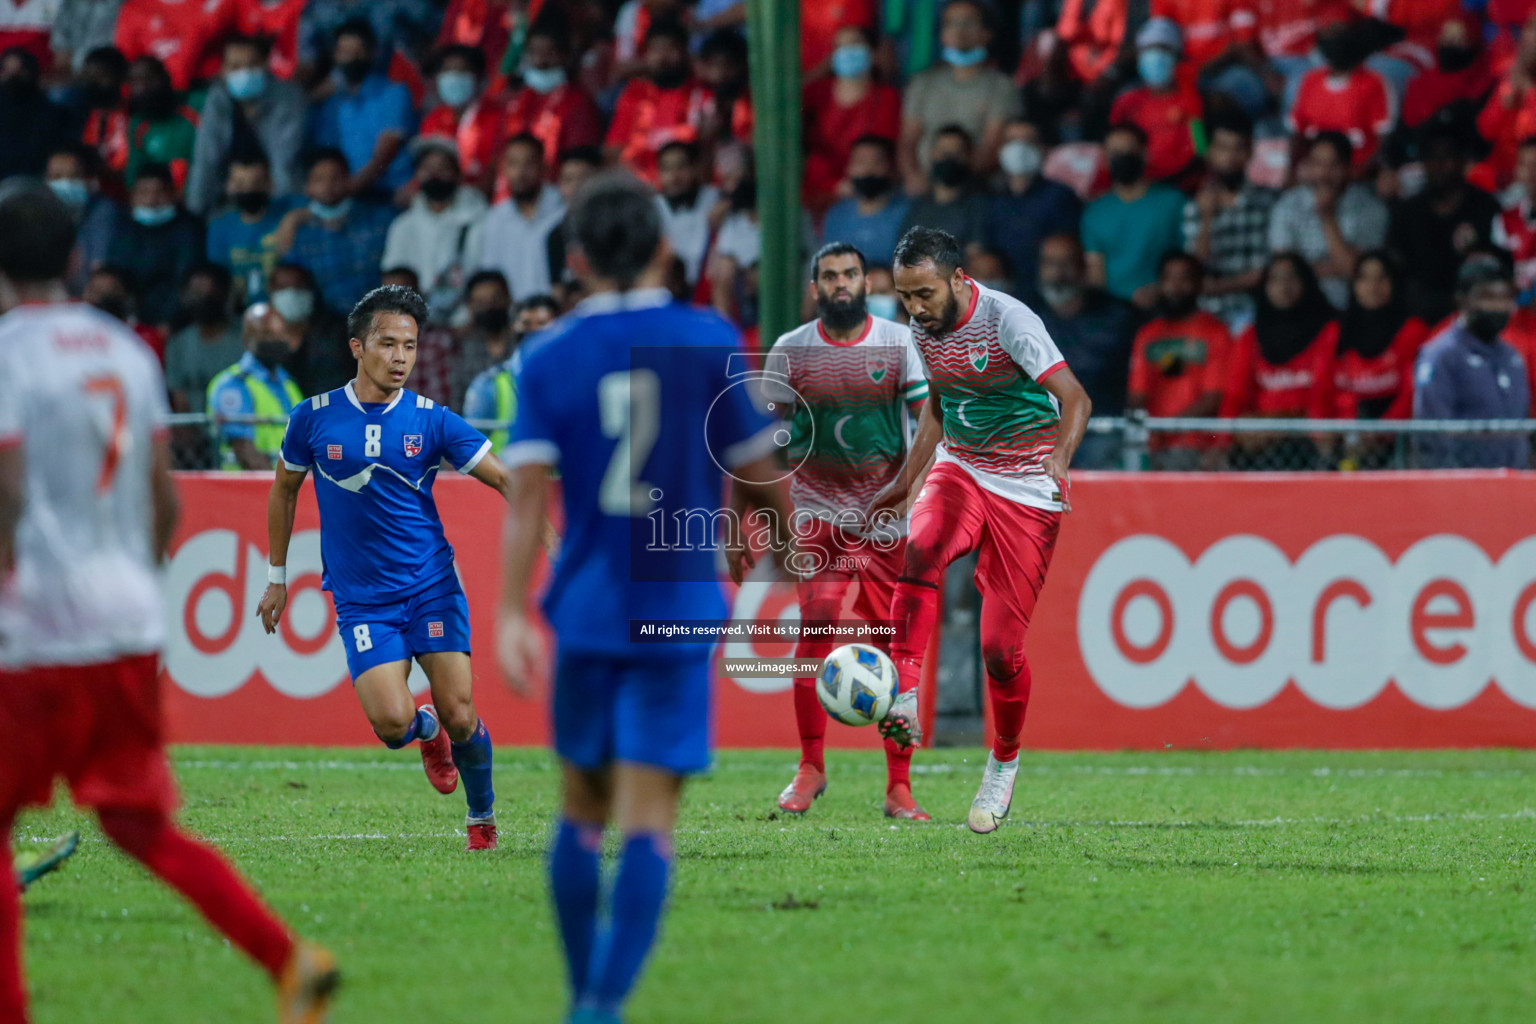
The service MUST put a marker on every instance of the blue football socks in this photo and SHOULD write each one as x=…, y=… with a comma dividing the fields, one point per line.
x=423, y=727
x=639, y=895
x=574, y=866
x=473, y=759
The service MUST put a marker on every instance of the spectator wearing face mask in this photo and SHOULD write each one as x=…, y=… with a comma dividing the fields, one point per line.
x=1221, y=43
x=840, y=109
x=208, y=342
x=952, y=204
x=99, y=107
x=549, y=106
x=488, y=338
x=161, y=129
x=184, y=34
x=256, y=386
x=337, y=238
x=1166, y=109
x=277, y=22
x=160, y=241
x=368, y=117
x=393, y=25
x=1469, y=372
x=667, y=104
x=439, y=234
x=516, y=240
x=1127, y=230
x=1031, y=206
x=1178, y=361
x=322, y=361
x=110, y=289
x=465, y=113
x=881, y=298
x=966, y=90
x=1461, y=74
x=31, y=124
x=247, y=109
x=1226, y=224
x=871, y=219
x=74, y=174
x=492, y=395
x=1093, y=331
x=1344, y=96
x=243, y=239
x=1326, y=219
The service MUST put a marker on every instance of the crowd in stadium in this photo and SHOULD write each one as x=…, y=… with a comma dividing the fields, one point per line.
x=1218, y=207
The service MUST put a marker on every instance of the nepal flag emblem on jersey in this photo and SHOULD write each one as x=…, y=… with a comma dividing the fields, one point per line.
x=412, y=445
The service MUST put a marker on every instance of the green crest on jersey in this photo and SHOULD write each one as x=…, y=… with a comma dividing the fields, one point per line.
x=875, y=363
x=978, y=351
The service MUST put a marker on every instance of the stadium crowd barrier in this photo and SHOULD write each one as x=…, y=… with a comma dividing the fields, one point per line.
x=1192, y=610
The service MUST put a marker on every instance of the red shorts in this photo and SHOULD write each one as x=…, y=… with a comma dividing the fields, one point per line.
x=97, y=727
x=954, y=515
x=845, y=559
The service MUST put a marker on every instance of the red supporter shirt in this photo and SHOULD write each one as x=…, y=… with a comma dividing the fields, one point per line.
x=1093, y=39
x=277, y=20
x=186, y=35
x=1380, y=387
x=1210, y=27
x=1168, y=118
x=819, y=22
x=1505, y=125
x=1420, y=19
x=648, y=117
x=28, y=24
x=831, y=130
x=1302, y=387
x=1358, y=104
x=1430, y=90
x=1175, y=363
x=1515, y=232
x=1287, y=28
x=561, y=119
x=1521, y=333
x=483, y=24
x=477, y=133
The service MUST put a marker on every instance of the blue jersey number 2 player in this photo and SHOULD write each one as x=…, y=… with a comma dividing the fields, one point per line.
x=630, y=397
x=375, y=448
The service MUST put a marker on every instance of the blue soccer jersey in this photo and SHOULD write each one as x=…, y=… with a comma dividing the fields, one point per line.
x=632, y=397
x=381, y=540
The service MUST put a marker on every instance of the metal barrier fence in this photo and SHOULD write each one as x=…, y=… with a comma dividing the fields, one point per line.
x=1136, y=442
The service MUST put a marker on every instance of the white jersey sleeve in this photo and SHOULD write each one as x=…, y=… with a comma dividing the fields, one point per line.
x=1023, y=336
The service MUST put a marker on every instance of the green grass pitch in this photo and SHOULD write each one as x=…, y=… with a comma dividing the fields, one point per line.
x=1180, y=887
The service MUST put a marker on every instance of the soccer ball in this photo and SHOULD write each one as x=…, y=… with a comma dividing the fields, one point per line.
x=857, y=684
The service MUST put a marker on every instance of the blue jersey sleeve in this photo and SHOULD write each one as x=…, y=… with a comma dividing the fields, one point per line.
x=463, y=445
x=233, y=398
x=738, y=430
x=533, y=431
x=297, y=452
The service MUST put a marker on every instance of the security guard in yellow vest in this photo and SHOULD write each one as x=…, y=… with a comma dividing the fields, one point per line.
x=492, y=396
x=255, y=386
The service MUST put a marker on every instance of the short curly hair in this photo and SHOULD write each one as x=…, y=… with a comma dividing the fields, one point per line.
x=391, y=298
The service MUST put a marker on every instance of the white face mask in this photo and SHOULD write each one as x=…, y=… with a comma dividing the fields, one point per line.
x=882, y=306
x=294, y=304
x=1020, y=158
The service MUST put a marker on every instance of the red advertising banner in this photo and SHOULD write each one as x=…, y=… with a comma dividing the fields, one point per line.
x=1200, y=610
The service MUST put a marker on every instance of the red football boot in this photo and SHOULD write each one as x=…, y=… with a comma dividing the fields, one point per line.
x=899, y=804
x=809, y=783
x=482, y=834
x=437, y=757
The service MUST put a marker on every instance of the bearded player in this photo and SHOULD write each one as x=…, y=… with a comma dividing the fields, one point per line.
x=848, y=380
x=87, y=508
x=1008, y=416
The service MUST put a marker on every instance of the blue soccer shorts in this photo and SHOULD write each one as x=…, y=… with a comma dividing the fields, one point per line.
x=437, y=619
x=653, y=713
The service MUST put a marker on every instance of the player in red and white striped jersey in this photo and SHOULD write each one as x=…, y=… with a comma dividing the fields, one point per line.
x=87, y=507
x=1004, y=418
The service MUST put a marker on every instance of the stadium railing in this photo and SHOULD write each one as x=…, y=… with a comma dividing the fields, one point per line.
x=1136, y=442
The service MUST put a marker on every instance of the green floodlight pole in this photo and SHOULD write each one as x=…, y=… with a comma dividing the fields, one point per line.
x=773, y=33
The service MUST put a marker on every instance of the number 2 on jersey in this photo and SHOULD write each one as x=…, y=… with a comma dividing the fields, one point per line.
x=630, y=404
x=112, y=452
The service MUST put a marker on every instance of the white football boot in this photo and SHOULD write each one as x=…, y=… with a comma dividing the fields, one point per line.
x=995, y=795
x=900, y=724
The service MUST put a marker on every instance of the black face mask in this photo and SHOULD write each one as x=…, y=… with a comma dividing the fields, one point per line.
x=355, y=71
x=1127, y=168
x=100, y=96
x=271, y=352
x=494, y=320
x=156, y=104
x=670, y=78
x=19, y=87
x=951, y=172
x=1486, y=325
x=744, y=195
x=250, y=202
x=1177, y=310
x=439, y=190
x=870, y=186
x=1339, y=51
x=683, y=200
x=1233, y=181
x=1455, y=58
x=115, y=306
x=205, y=310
